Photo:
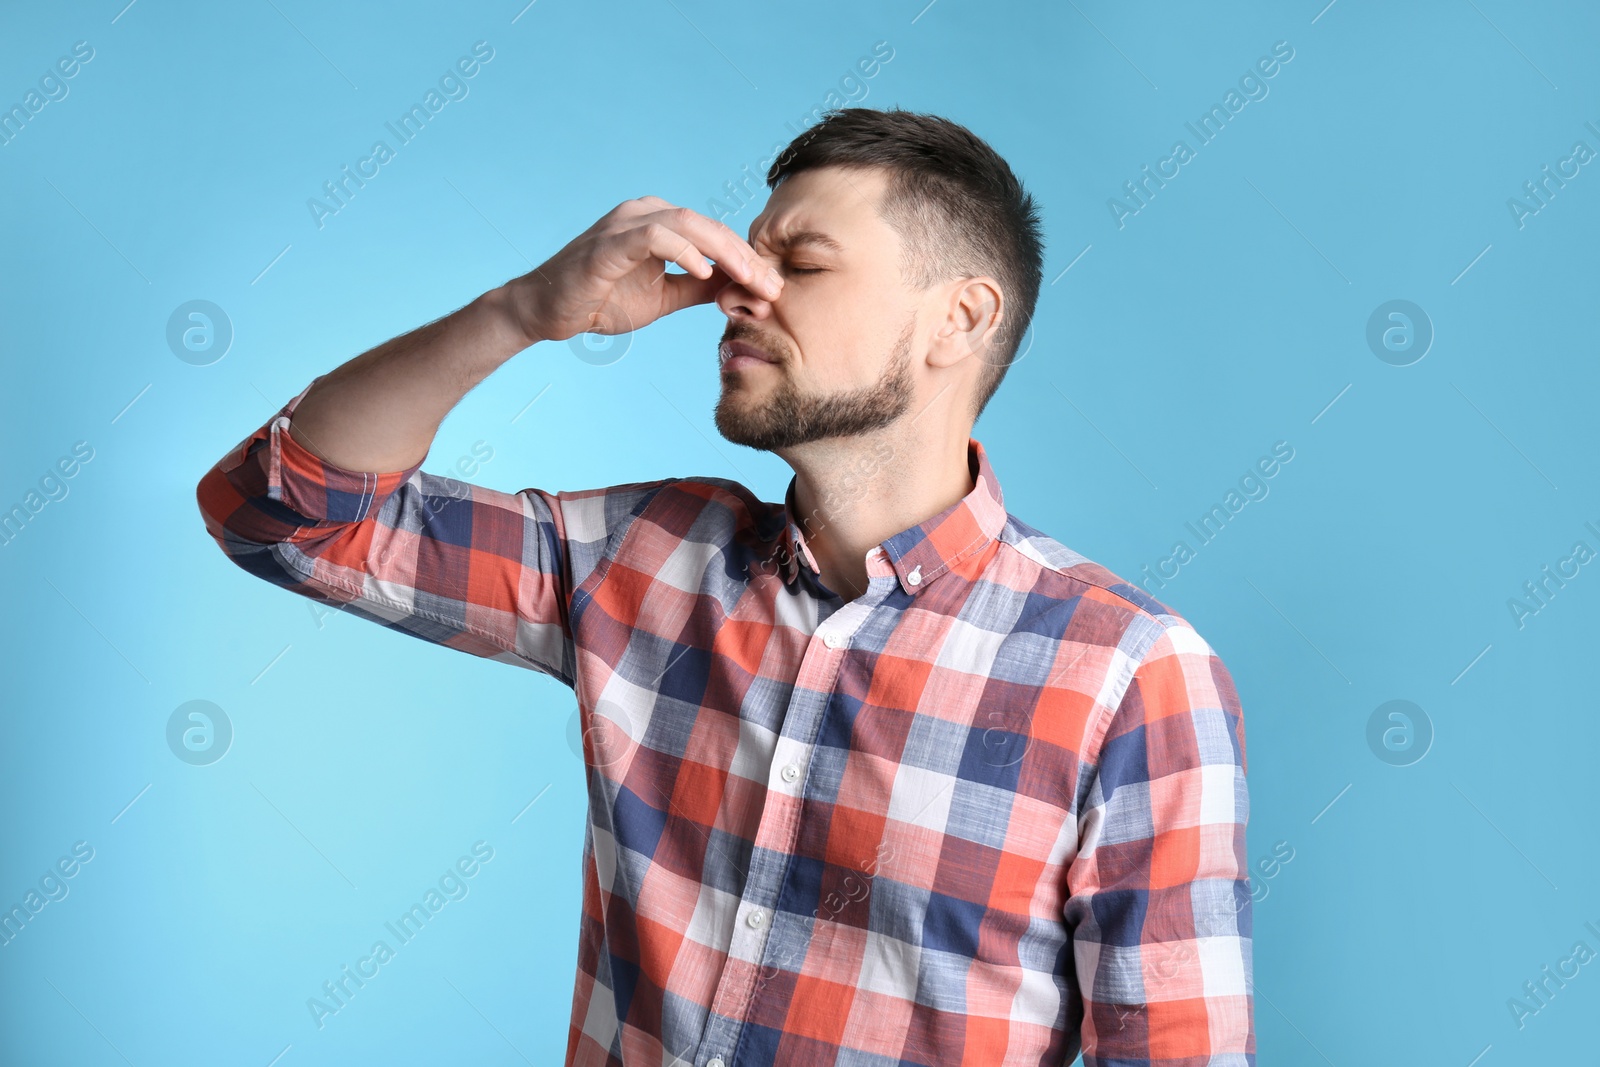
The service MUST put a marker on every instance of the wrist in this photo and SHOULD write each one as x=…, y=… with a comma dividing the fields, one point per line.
x=514, y=302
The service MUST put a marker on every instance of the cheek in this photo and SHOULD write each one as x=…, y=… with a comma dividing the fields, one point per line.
x=840, y=330
x=860, y=364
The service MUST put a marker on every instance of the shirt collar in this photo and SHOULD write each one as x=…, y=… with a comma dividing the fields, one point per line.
x=924, y=552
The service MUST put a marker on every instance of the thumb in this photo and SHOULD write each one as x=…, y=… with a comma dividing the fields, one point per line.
x=685, y=290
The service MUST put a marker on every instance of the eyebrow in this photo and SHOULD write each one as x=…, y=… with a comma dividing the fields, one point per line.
x=807, y=237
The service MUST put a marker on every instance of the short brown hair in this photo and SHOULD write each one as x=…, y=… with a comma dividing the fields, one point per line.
x=958, y=208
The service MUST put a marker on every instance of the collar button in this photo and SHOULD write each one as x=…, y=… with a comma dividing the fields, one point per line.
x=915, y=577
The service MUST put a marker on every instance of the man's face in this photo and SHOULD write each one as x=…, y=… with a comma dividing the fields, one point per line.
x=841, y=336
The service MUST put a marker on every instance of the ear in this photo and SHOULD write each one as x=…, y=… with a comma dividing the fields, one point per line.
x=972, y=322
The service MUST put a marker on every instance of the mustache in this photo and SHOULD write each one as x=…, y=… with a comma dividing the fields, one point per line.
x=754, y=338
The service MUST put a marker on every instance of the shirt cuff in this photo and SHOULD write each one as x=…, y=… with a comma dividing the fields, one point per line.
x=315, y=488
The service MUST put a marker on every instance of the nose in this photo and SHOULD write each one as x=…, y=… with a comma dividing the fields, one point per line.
x=737, y=301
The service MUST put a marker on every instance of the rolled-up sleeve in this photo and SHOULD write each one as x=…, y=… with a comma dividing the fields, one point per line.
x=1159, y=890
x=471, y=568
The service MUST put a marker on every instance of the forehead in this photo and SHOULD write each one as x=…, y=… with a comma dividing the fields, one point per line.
x=827, y=202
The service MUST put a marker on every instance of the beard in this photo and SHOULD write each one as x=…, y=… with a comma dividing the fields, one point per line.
x=789, y=417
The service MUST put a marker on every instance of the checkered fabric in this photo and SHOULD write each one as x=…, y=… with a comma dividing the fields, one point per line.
x=989, y=812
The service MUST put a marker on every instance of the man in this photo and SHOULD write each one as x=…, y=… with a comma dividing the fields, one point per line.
x=879, y=775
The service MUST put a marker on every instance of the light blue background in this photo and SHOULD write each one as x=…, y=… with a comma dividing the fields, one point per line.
x=1227, y=315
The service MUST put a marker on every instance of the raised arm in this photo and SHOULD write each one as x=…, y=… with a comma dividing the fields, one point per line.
x=381, y=410
x=327, y=498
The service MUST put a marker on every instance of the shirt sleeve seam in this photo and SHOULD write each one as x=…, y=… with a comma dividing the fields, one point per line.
x=362, y=594
x=1109, y=711
x=610, y=550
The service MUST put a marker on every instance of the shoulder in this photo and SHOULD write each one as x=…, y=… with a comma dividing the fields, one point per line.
x=1147, y=653
x=1121, y=612
x=699, y=508
x=594, y=514
x=711, y=504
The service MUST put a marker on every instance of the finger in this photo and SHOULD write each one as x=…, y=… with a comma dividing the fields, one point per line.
x=647, y=242
x=685, y=290
x=630, y=209
x=718, y=242
x=690, y=259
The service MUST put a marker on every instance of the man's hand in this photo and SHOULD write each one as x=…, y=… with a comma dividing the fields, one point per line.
x=379, y=412
x=612, y=277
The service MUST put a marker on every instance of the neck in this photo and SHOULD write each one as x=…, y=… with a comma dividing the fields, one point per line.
x=851, y=494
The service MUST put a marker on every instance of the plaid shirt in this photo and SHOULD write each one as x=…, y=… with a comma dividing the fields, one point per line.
x=989, y=812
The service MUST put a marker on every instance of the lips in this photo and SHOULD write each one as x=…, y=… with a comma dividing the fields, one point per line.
x=740, y=348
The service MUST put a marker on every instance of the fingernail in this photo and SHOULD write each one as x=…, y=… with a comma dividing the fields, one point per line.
x=774, y=283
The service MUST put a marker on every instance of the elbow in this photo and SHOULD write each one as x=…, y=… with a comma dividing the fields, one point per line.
x=236, y=523
x=218, y=502
x=237, y=514
x=205, y=495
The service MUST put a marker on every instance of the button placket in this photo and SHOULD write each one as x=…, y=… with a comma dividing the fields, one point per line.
x=816, y=681
x=840, y=627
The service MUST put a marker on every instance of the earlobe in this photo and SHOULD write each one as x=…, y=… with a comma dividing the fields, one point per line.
x=975, y=319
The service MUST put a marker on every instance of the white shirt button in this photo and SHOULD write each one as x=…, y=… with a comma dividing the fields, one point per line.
x=790, y=773
x=755, y=919
x=915, y=577
x=715, y=1061
x=833, y=639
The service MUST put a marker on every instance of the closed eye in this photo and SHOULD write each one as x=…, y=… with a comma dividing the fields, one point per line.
x=806, y=270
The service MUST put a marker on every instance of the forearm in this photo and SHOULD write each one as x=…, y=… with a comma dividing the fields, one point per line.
x=380, y=411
